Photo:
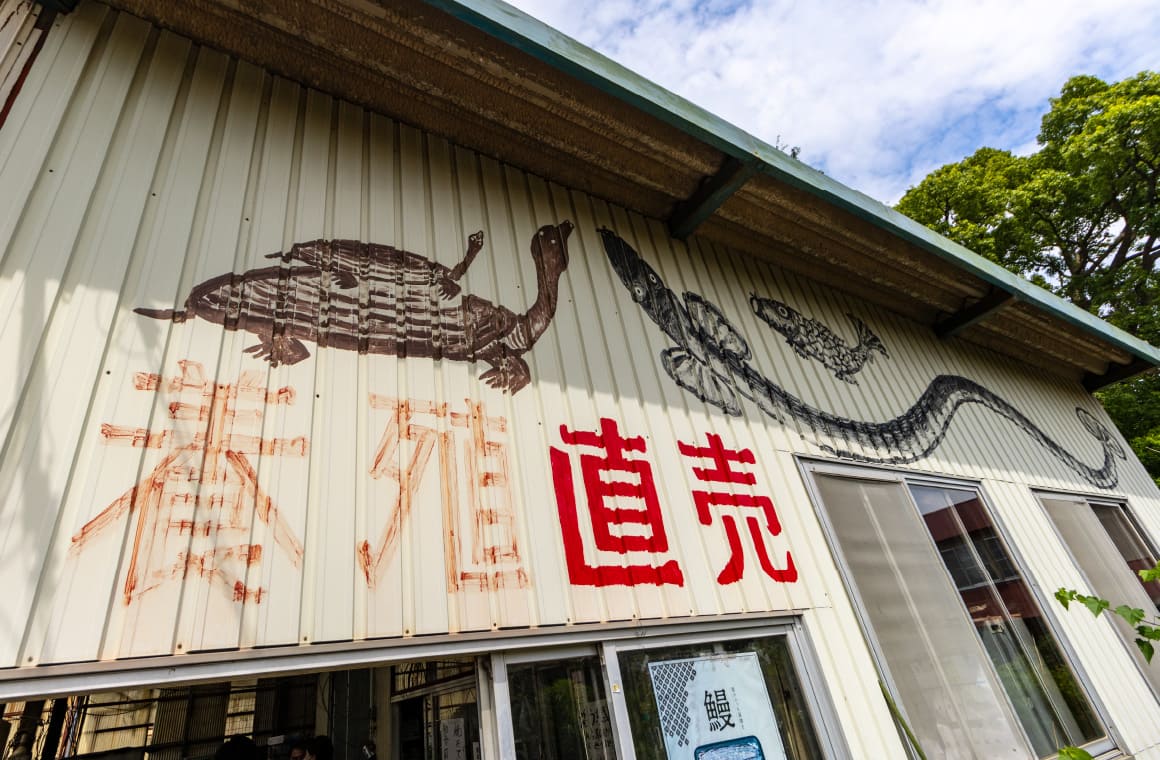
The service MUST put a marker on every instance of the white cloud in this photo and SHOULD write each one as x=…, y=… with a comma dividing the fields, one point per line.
x=876, y=92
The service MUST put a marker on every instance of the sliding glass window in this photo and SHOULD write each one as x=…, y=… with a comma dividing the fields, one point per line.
x=1110, y=549
x=746, y=690
x=962, y=641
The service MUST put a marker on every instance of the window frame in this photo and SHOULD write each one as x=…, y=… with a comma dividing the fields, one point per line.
x=1086, y=501
x=818, y=703
x=808, y=467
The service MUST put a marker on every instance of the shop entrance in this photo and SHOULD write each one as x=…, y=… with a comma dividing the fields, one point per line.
x=748, y=691
x=426, y=710
x=435, y=709
x=558, y=706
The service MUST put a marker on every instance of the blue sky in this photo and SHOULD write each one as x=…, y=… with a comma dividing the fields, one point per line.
x=877, y=93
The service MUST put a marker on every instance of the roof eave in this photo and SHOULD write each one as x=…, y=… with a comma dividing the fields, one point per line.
x=565, y=54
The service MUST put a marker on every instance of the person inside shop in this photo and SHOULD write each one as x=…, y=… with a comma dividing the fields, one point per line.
x=298, y=749
x=239, y=748
x=320, y=748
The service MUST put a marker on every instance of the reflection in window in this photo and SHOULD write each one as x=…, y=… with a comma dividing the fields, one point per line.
x=437, y=714
x=559, y=710
x=781, y=684
x=1110, y=550
x=963, y=643
x=1131, y=545
x=1042, y=689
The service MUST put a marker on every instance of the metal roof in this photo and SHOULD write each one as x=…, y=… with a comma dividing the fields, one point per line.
x=495, y=80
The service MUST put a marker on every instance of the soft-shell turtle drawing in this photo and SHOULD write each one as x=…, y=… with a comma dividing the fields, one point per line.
x=377, y=299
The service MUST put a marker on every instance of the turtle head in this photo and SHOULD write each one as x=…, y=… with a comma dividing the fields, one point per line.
x=550, y=246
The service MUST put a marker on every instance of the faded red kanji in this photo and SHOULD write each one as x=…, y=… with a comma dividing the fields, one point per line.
x=194, y=511
x=639, y=490
x=722, y=471
x=480, y=527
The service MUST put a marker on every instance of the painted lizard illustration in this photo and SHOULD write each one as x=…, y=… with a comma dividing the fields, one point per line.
x=377, y=299
x=712, y=361
x=810, y=339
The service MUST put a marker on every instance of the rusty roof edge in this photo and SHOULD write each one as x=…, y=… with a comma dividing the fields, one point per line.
x=514, y=27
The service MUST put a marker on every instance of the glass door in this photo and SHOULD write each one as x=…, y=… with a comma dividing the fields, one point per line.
x=436, y=714
x=746, y=693
x=559, y=706
x=712, y=698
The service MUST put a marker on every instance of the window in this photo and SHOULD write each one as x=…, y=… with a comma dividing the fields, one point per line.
x=959, y=636
x=178, y=723
x=713, y=692
x=1110, y=549
x=559, y=710
x=748, y=685
x=435, y=709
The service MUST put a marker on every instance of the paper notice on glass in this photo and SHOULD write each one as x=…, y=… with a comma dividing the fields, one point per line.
x=715, y=708
x=452, y=739
x=596, y=728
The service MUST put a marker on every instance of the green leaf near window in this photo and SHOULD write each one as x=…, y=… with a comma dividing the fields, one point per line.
x=1132, y=614
x=1094, y=603
x=1152, y=574
x=1146, y=648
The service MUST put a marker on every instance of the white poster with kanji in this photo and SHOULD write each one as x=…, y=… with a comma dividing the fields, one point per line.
x=452, y=739
x=715, y=708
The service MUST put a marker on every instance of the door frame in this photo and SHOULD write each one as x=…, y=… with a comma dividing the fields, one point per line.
x=818, y=703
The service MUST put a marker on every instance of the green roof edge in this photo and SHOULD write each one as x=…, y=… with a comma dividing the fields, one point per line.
x=514, y=27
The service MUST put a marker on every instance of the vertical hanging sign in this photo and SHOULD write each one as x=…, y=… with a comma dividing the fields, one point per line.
x=715, y=708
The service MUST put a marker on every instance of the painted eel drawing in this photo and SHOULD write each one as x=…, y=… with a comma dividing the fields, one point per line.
x=810, y=339
x=377, y=299
x=712, y=361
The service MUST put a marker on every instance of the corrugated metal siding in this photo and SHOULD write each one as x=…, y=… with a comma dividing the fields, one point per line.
x=138, y=165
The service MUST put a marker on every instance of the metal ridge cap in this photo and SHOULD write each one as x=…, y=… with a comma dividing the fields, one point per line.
x=514, y=27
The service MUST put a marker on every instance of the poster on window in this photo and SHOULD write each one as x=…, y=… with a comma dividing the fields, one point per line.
x=453, y=739
x=715, y=708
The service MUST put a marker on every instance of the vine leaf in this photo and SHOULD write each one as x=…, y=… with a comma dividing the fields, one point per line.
x=1132, y=614
x=1094, y=603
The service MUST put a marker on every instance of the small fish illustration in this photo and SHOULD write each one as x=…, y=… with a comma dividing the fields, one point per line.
x=810, y=339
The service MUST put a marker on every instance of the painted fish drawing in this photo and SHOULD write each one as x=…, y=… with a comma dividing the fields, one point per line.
x=377, y=299
x=810, y=339
x=711, y=360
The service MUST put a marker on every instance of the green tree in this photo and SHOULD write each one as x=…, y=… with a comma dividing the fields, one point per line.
x=1080, y=217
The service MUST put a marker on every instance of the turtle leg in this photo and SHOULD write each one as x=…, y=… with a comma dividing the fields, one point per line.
x=508, y=373
x=449, y=284
x=278, y=349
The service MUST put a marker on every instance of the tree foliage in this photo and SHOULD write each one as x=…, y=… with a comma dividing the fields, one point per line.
x=1080, y=217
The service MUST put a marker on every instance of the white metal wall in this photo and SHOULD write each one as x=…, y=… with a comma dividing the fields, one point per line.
x=166, y=491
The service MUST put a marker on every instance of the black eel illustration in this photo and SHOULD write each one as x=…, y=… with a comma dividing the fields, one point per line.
x=810, y=339
x=376, y=299
x=711, y=361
